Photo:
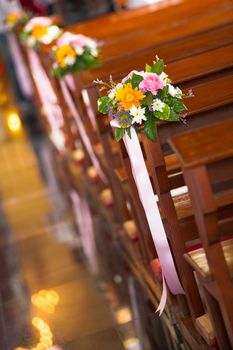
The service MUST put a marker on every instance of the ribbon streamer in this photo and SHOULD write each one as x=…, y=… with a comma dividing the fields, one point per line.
x=82, y=130
x=85, y=225
x=20, y=67
x=47, y=96
x=147, y=198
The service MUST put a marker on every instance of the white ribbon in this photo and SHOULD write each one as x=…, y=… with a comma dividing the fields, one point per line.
x=82, y=130
x=147, y=198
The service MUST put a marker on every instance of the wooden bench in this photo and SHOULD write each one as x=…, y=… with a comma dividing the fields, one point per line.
x=206, y=157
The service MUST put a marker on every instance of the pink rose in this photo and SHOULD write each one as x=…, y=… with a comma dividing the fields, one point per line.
x=152, y=82
x=42, y=21
x=65, y=39
x=80, y=41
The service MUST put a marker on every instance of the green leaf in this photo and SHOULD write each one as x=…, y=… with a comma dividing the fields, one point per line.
x=128, y=130
x=148, y=99
x=158, y=67
x=162, y=93
x=103, y=104
x=174, y=117
x=150, y=127
x=178, y=105
x=165, y=114
x=136, y=80
x=119, y=133
x=148, y=68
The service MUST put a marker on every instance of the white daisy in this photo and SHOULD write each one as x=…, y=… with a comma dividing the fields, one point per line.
x=69, y=60
x=171, y=90
x=179, y=93
x=31, y=41
x=164, y=77
x=79, y=50
x=94, y=52
x=138, y=113
x=174, y=92
x=113, y=91
x=157, y=105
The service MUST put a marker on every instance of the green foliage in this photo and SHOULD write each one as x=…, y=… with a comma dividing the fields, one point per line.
x=148, y=99
x=136, y=80
x=103, y=104
x=24, y=35
x=119, y=133
x=173, y=117
x=128, y=130
x=125, y=120
x=165, y=114
x=158, y=67
x=150, y=127
x=177, y=105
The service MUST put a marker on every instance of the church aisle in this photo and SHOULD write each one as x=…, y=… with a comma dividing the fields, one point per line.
x=47, y=296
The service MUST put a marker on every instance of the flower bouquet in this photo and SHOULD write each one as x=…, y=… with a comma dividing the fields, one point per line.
x=16, y=19
x=141, y=99
x=74, y=52
x=40, y=30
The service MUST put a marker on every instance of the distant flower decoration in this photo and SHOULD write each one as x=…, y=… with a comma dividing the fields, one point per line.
x=141, y=99
x=16, y=18
x=40, y=30
x=74, y=52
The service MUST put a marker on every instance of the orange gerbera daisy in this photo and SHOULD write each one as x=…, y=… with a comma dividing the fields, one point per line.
x=63, y=52
x=128, y=97
x=39, y=31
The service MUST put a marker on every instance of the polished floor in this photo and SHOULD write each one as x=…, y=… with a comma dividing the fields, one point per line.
x=48, y=297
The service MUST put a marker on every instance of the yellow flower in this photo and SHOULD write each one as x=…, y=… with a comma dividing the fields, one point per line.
x=63, y=52
x=12, y=18
x=128, y=97
x=39, y=31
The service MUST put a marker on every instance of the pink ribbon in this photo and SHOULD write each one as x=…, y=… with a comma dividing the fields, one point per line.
x=20, y=66
x=147, y=198
x=82, y=130
x=85, y=225
x=90, y=112
x=70, y=82
x=47, y=96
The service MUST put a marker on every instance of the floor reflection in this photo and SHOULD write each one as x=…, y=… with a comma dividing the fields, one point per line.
x=48, y=297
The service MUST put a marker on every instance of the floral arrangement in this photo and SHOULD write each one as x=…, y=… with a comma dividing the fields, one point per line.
x=16, y=18
x=40, y=30
x=74, y=52
x=141, y=99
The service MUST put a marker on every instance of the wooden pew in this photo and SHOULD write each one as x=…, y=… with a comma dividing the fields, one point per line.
x=222, y=67
x=161, y=14
x=198, y=104
x=206, y=157
x=172, y=53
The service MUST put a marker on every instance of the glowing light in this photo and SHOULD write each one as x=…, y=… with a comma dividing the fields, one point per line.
x=14, y=122
x=132, y=344
x=123, y=315
x=45, y=300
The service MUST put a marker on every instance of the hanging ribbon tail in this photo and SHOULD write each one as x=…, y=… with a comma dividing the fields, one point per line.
x=20, y=66
x=69, y=79
x=47, y=96
x=163, y=299
x=85, y=225
x=90, y=112
x=155, y=223
x=82, y=130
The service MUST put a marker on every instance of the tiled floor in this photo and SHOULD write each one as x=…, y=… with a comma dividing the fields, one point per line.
x=38, y=253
